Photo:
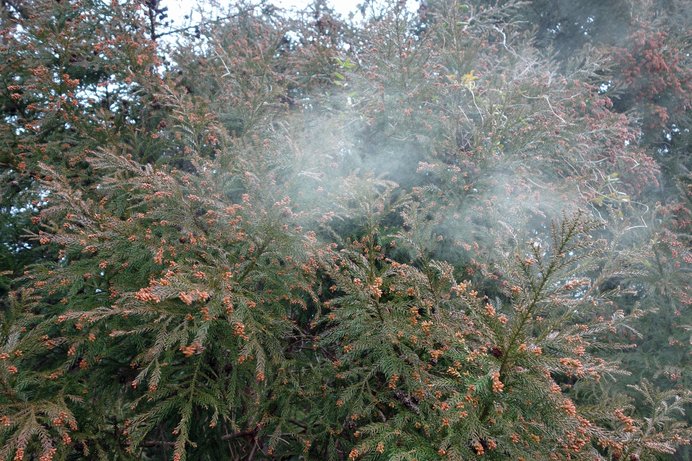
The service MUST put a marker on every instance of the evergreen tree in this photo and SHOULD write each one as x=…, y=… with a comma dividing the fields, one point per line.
x=420, y=238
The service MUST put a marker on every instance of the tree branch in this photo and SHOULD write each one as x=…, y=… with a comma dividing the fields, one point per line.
x=235, y=435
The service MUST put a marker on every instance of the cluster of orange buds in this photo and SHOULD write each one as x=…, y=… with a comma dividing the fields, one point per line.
x=573, y=284
x=435, y=354
x=454, y=372
x=575, y=442
x=307, y=443
x=584, y=424
x=414, y=315
x=426, y=325
x=5, y=421
x=158, y=257
x=380, y=448
x=259, y=376
x=194, y=348
x=575, y=364
x=569, y=407
x=239, y=330
x=478, y=446
x=376, y=288
x=146, y=295
x=311, y=236
x=185, y=297
x=55, y=375
x=192, y=296
x=469, y=397
x=328, y=216
x=70, y=82
x=228, y=304
x=393, y=382
x=473, y=355
x=354, y=454
x=498, y=387
x=626, y=420
x=19, y=454
x=90, y=249
x=419, y=393
x=616, y=446
x=579, y=350
x=163, y=194
x=489, y=310
x=61, y=419
x=460, y=288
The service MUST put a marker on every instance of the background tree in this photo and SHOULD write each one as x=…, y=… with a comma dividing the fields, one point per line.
x=648, y=78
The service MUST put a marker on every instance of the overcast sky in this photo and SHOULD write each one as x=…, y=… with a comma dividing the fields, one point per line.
x=177, y=9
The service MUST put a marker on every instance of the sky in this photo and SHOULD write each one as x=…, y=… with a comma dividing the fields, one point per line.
x=177, y=9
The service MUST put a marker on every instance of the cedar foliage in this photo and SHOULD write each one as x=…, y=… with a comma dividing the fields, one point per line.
x=425, y=245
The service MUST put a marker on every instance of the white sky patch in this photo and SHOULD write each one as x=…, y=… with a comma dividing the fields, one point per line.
x=178, y=9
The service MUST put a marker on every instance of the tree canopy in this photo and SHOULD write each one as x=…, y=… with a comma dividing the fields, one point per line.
x=451, y=233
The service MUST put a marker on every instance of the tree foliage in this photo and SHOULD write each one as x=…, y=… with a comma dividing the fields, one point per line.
x=423, y=236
